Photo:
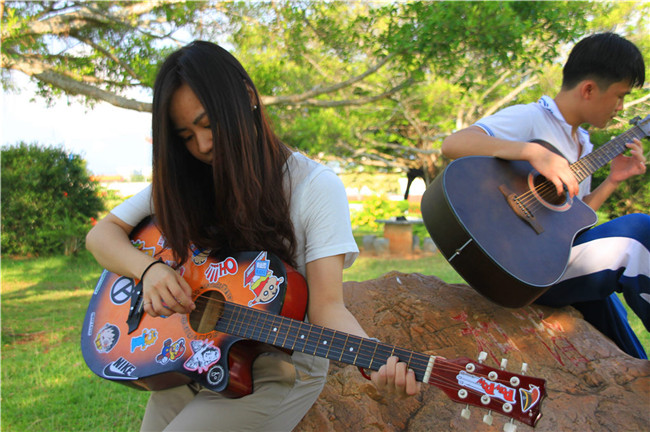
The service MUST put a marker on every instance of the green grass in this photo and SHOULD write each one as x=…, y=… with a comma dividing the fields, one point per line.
x=46, y=385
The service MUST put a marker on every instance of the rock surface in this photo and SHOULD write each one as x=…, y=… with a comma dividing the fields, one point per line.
x=591, y=385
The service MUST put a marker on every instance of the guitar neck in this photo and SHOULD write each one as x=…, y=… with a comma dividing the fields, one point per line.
x=318, y=341
x=463, y=381
x=601, y=156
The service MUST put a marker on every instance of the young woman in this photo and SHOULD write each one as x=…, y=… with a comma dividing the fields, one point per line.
x=223, y=181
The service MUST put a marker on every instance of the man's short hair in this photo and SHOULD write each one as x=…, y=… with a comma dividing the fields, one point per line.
x=606, y=58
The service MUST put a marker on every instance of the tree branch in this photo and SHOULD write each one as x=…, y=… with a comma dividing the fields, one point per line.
x=109, y=55
x=72, y=86
x=306, y=98
x=299, y=101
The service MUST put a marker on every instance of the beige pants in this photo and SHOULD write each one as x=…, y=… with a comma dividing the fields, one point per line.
x=285, y=387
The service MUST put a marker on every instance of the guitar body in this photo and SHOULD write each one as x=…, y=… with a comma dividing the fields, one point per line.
x=120, y=342
x=500, y=254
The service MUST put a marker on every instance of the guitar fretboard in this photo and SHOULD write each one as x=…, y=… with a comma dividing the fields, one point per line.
x=315, y=340
x=601, y=156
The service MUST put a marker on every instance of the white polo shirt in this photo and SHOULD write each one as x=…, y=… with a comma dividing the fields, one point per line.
x=541, y=121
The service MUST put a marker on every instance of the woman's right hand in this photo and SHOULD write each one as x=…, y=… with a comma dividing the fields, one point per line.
x=165, y=292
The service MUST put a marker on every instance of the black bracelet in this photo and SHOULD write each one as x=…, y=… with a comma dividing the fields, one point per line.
x=159, y=261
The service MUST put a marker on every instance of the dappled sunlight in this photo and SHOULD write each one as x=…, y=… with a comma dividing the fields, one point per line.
x=47, y=295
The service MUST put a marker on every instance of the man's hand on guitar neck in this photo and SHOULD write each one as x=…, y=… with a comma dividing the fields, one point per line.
x=623, y=166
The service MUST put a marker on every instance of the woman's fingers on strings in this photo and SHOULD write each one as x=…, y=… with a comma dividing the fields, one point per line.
x=185, y=295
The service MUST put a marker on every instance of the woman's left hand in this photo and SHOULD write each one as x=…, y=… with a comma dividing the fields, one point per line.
x=395, y=379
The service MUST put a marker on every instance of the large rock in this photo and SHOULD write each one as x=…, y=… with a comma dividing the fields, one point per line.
x=591, y=385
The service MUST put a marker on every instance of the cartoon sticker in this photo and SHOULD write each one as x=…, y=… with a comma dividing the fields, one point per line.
x=223, y=268
x=205, y=354
x=259, y=278
x=199, y=257
x=215, y=375
x=145, y=340
x=171, y=351
x=107, y=338
x=141, y=245
x=529, y=398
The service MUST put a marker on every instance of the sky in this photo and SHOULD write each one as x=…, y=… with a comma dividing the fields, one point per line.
x=112, y=140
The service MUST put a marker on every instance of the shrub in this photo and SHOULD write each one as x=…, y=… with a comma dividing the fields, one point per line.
x=374, y=208
x=48, y=200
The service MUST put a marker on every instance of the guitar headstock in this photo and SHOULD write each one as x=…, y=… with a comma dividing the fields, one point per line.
x=644, y=124
x=471, y=382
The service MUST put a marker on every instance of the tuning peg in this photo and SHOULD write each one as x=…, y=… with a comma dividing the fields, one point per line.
x=510, y=427
x=482, y=356
x=465, y=412
x=504, y=363
x=524, y=368
x=487, y=418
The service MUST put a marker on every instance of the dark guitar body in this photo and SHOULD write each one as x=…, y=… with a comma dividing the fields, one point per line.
x=498, y=253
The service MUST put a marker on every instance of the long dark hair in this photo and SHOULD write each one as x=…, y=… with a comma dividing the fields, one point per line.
x=240, y=201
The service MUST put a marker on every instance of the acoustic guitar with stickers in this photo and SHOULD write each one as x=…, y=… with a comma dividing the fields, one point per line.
x=248, y=303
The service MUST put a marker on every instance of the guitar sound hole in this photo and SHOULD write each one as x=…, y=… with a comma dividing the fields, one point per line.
x=547, y=192
x=209, y=306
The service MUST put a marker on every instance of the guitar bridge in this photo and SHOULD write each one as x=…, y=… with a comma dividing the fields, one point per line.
x=520, y=209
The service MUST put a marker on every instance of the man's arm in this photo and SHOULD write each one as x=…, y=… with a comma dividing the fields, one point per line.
x=473, y=141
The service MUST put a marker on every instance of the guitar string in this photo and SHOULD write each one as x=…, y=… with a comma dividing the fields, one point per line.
x=597, y=156
x=419, y=361
x=440, y=381
x=619, y=141
x=546, y=190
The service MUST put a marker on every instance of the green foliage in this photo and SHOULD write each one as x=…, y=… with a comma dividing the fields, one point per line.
x=117, y=44
x=374, y=208
x=48, y=200
x=374, y=84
